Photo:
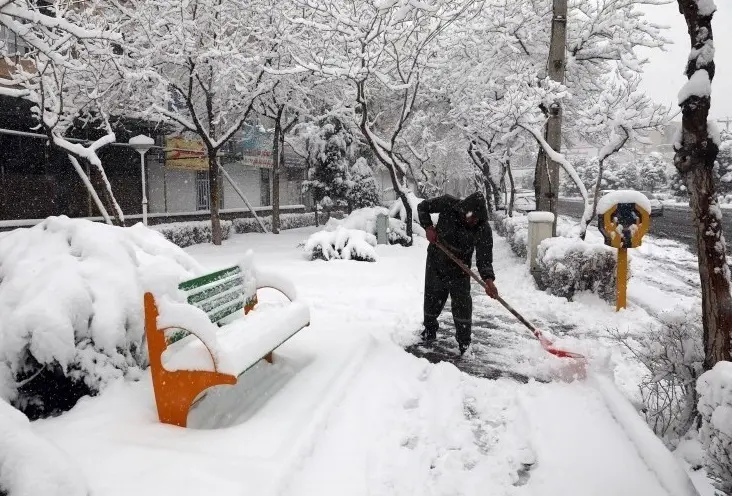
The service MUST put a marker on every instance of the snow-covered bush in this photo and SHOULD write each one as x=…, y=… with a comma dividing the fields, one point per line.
x=516, y=232
x=30, y=465
x=364, y=219
x=397, y=211
x=362, y=191
x=192, y=233
x=570, y=265
x=341, y=244
x=715, y=406
x=71, y=315
x=498, y=225
x=672, y=354
x=287, y=221
x=678, y=186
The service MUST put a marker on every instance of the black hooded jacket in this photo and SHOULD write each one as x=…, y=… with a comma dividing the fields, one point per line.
x=457, y=237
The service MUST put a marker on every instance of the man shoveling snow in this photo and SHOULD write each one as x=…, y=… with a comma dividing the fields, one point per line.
x=463, y=228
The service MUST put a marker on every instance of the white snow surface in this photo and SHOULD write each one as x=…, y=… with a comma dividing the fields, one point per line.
x=541, y=217
x=623, y=196
x=698, y=84
x=706, y=7
x=715, y=402
x=141, y=140
x=30, y=465
x=344, y=410
x=71, y=293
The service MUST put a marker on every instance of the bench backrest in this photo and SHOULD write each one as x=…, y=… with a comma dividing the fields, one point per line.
x=222, y=293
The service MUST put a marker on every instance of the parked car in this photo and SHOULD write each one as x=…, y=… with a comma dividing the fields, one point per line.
x=656, y=205
x=524, y=202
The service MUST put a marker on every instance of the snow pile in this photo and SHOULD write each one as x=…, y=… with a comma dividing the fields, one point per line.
x=71, y=312
x=570, y=265
x=715, y=407
x=541, y=217
x=364, y=219
x=30, y=465
x=344, y=244
x=623, y=196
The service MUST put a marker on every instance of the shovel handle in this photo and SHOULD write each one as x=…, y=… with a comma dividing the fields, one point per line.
x=480, y=281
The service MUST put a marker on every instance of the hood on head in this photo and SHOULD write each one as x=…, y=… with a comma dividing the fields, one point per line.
x=474, y=203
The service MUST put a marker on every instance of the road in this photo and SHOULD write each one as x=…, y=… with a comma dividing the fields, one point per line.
x=675, y=223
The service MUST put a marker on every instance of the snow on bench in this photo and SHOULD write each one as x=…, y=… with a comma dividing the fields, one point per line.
x=215, y=336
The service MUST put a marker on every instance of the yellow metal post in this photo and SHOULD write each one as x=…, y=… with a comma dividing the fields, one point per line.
x=622, y=283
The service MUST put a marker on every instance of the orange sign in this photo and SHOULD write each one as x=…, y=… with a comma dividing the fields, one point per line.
x=182, y=153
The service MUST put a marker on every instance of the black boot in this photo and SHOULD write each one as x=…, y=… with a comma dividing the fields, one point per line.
x=428, y=336
x=464, y=348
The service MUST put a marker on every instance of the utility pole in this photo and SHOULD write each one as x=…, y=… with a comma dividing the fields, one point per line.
x=726, y=121
x=547, y=173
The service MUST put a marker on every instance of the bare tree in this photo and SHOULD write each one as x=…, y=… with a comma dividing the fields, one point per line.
x=696, y=151
x=63, y=75
x=200, y=66
x=382, y=49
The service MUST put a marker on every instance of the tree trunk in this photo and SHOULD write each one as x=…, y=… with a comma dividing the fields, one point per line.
x=214, y=196
x=695, y=161
x=549, y=179
x=97, y=181
x=513, y=189
x=276, y=150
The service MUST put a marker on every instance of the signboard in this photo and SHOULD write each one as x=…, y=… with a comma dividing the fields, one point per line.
x=182, y=153
x=255, y=148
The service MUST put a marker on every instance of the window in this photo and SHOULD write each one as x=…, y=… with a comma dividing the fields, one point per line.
x=11, y=44
x=203, y=191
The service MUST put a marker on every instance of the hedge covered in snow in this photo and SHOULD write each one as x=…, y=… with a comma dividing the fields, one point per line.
x=715, y=406
x=191, y=233
x=287, y=221
x=341, y=244
x=570, y=265
x=186, y=234
x=30, y=465
x=516, y=231
x=71, y=317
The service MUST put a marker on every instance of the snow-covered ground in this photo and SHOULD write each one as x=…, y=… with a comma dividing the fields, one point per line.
x=344, y=410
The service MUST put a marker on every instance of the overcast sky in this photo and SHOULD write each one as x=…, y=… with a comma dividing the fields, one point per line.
x=664, y=76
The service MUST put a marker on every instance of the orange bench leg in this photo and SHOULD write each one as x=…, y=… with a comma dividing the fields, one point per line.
x=174, y=391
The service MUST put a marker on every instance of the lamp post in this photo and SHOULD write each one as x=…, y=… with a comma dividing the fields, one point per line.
x=142, y=144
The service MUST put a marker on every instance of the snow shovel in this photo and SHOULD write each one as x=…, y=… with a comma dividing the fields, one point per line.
x=545, y=343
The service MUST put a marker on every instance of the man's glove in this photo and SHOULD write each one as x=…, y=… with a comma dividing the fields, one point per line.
x=431, y=234
x=490, y=289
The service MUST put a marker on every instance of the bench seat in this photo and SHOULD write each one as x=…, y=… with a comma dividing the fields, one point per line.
x=245, y=341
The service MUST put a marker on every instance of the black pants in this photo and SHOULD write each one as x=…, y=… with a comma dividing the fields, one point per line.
x=437, y=287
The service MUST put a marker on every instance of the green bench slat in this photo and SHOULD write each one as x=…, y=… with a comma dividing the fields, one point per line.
x=212, y=304
x=214, y=291
x=208, y=278
x=226, y=311
x=219, y=294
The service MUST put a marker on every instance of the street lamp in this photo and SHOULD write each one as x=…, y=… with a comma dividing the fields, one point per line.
x=142, y=144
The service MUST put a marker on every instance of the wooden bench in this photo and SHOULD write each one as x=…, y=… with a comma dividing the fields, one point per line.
x=214, y=336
